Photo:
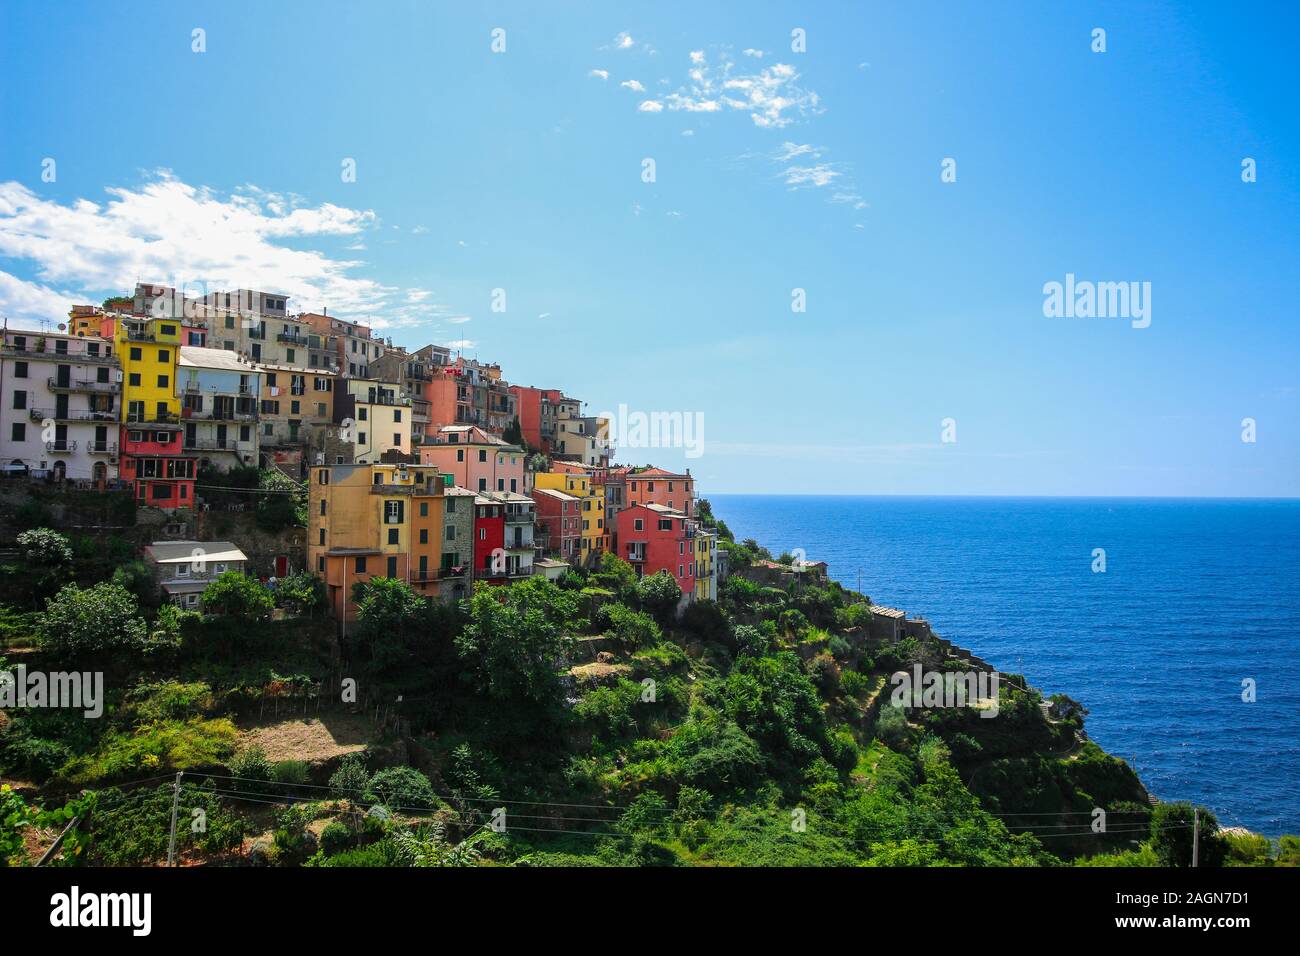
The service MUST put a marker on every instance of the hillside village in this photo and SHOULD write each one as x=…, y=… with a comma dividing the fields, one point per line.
x=423, y=465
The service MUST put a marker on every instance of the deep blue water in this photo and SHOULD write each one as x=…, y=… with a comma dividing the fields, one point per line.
x=1198, y=594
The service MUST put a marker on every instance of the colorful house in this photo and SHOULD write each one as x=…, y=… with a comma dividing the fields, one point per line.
x=653, y=538
x=219, y=407
x=559, y=523
x=375, y=520
x=58, y=412
x=489, y=541
x=154, y=461
x=643, y=486
x=574, y=481
x=476, y=459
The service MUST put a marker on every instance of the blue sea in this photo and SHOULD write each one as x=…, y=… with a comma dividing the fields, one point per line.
x=1197, y=596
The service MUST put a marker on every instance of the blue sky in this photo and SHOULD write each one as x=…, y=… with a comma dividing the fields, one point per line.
x=817, y=170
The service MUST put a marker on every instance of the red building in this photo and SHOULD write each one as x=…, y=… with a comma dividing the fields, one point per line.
x=653, y=538
x=489, y=540
x=559, y=523
x=153, y=461
x=536, y=408
x=644, y=486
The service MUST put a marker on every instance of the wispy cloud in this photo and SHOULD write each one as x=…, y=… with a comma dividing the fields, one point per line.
x=633, y=85
x=599, y=74
x=772, y=96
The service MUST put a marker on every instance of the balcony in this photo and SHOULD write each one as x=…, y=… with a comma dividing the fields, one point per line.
x=165, y=418
x=211, y=444
x=140, y=335
x=42, y=354
x=40, y=414
x=84, y=385
x=289, y=338
x=101, y=448
x=61, y=446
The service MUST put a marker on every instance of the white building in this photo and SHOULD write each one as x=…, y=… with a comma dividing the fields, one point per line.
x=219, y=394
x=184, y=569
x=60, y=403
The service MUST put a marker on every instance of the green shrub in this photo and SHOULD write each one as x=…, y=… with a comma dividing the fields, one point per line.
x=349, y=781
x=290, y=771
x=403, y=788
x=335, y=838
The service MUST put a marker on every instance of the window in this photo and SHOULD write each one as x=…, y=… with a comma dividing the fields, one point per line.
x=270, y=380
x=451, y=506
x=20, y=370
x=360, y=565
x=451, y=532
x=322, y=530
x=288, y=355
x=482, y=484
x=165, y=330
x=164, y=355
x=320, y=564
x=397, y=415
x=361, y=413
x=482, y=534
x=501, y=484
x=230, y=321
x=361, y=438
x=20, y=399
x=392, y=567
x=163, y=381
x=322, y=506
x=638, y=524
x=137, y=355
x=424, y=509
x=424, y=536
x=394, y=512
x=294, y=408
x=665, y=524
x=460, y=454
x=19, y=432
x=397, y=440
x=323, y=476
x=392, y=535
x=134, y=379
x=681, y=571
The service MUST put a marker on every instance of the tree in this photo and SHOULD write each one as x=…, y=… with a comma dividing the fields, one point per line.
x=136, y=577
x=238, y=596
x=513, y=434
x=301, y=593
x=99, y=619
x=659, y=593
x=429, y=847
x=390, y=618
x=515, y=639
x=1172, y=826
x=46, y=559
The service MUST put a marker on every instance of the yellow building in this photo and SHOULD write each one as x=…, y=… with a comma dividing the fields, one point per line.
x=706, y=565
x=595, y=530
x=380, y=414
x=148, y=349
x=374, y=521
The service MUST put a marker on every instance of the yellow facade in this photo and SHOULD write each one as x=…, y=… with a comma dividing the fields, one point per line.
x=595, y=530
x=148, y=350
x=706, y=579
x=369, y=521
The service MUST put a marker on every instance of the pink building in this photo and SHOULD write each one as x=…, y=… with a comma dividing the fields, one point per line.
x=475, y=459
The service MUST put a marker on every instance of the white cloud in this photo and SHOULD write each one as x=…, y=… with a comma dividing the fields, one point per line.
x=750, y=51
x=772, y=96
x=461, y=344
x=600, y=74
x=688, y=132
x=195, y=239
x=651, y=106
x=789, y=151
x=633, y=85
x=419, y=230
x=822, y=174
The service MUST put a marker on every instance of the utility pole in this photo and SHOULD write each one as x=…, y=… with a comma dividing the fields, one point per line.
x=176, y=802
x=1196, y=835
